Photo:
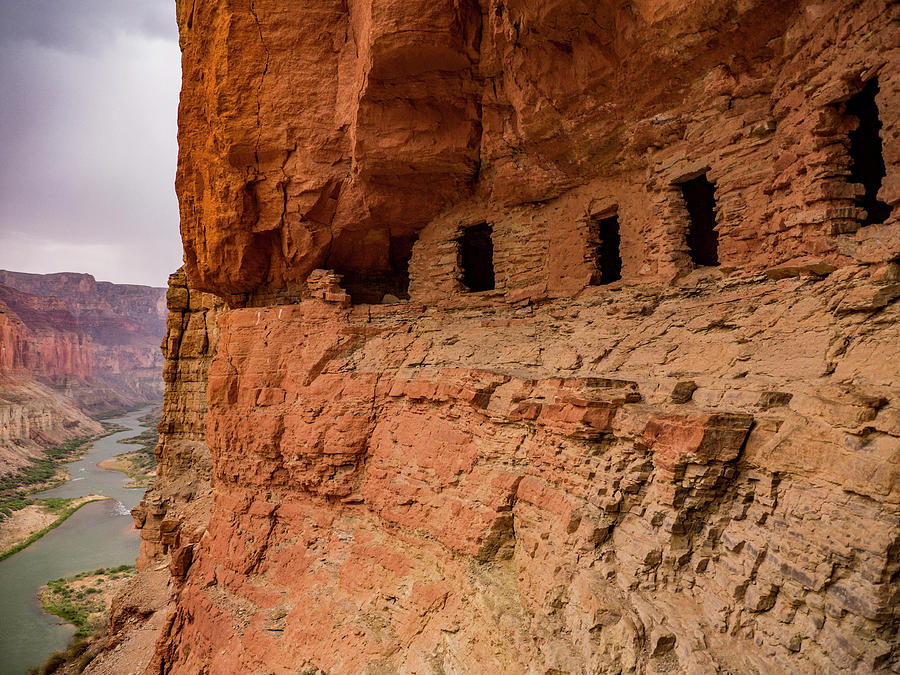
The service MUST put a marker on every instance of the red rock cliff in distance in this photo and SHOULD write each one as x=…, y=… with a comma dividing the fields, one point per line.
x=70, y=346
x=40, y=337
x=561, y=337
x=42, y=351
x=123, y=324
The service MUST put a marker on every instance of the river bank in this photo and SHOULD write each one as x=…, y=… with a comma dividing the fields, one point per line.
x=24, y=520
x=139, y=465
x=84, y=599
x=98, y=534
x=45, y=473
x=25, y=526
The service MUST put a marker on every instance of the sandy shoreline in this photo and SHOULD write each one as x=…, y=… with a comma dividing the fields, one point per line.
x=113, y=464
x=127, y=463
x=25, y=523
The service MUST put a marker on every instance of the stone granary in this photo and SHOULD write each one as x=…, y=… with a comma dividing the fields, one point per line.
x=529, y=336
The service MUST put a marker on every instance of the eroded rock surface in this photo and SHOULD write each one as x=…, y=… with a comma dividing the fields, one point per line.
x=72, y=347
x=512, y=489
x=443, y=436
x=124, y=324
x=174, y=512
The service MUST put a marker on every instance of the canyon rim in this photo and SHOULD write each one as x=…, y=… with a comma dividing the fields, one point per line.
x=72, y=347
x=529, y=337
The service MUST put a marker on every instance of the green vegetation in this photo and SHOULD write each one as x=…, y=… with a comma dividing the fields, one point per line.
x=72, y=608
x=112, y=427
x=75, y=602
x=41, y=473
x=147, y=438
x=7, y=506
x=141, y=464
x=58, y=504
x=78, y=599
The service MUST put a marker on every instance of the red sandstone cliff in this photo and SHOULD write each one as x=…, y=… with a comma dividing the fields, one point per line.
x=40, y=337
x=125, y=323
x=630, y=400
x=69, y=347
x=42, y=349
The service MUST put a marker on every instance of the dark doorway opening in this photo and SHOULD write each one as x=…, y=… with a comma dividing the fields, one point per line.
x=866, y=152
x=476, y=258
x=400, y=254
x=605, y=243
x=702, y=238
x=372, y=287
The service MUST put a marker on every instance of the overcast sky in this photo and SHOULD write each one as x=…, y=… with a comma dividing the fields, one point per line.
x=88, y=105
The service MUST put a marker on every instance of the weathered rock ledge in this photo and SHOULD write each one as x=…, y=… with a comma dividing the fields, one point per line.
x=636, y=479
x=560, y=337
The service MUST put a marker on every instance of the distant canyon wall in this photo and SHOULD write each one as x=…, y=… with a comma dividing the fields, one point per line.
x=34, y=416
x=40, y=337
x=71, y=347
x=125, y=324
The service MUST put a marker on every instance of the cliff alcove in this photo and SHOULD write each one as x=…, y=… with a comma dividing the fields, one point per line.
x=605, y=241
x=519, y=469
x=476, y=258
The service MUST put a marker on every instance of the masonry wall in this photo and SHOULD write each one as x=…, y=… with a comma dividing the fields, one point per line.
x=774, y=139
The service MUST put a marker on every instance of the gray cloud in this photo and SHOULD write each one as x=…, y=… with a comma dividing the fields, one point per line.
x=88, y=130
x=84, y=25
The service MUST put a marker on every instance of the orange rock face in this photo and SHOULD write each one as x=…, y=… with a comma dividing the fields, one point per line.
x=120, y=324
x=173, y=514
x=40, y=337
x=331, y=137
x=377, y=503
x=560, y=338
x=70, y=346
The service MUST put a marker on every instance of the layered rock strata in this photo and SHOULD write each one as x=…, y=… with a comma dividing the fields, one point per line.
x=71, y=347
x=33, y=417
x=639, y=480
x=40, y=337
x=174, y=512
x=511, y=465
x=124, y=323
x=42, y=348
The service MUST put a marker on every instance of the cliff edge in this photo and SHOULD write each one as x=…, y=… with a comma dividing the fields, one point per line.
x=529, y=337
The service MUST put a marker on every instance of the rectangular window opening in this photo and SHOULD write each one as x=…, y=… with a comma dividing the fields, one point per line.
x=400, y=255
x=867, y=165
x=476, y=258
x=605, y=242
x=702, y=239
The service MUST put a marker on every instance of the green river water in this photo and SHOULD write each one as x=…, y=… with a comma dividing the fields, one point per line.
x=100, y=534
